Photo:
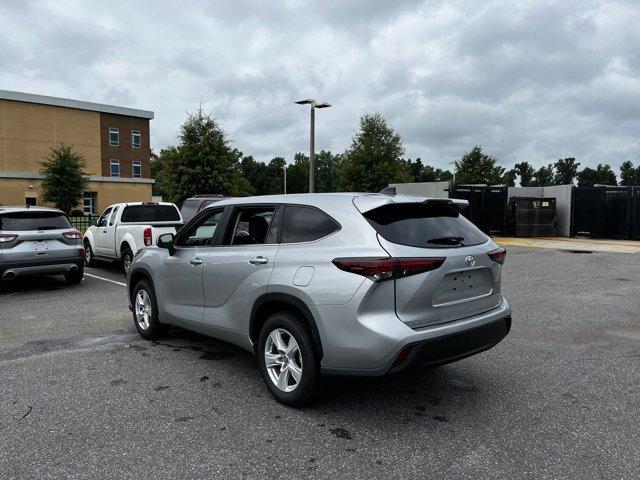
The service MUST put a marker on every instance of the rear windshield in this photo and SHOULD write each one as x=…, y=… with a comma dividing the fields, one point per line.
x=25, y=221
x=189, y=208
x=424, y=225
x=150, y=213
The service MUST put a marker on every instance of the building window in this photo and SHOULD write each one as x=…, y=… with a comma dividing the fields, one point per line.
x=114, y=168
x=30, y=201
x=135, y=138
x=89, y=203
x=114, y=137
x=136, y=169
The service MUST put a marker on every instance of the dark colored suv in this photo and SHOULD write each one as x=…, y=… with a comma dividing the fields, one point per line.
x=193, y=205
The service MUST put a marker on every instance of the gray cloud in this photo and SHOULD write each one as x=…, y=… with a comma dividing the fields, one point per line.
x=529, y=81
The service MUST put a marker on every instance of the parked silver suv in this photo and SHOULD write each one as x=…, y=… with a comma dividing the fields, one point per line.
x=345, y=283
x=39, y=241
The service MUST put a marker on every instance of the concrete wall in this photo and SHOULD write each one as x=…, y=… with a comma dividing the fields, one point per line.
x=562, y=194
x=28, y=131
x=423, y=189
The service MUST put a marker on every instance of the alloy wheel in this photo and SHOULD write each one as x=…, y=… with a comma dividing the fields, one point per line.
x=283, y=360
x=143, y=309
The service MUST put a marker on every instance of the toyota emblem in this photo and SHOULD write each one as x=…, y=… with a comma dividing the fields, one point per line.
x=471, y=260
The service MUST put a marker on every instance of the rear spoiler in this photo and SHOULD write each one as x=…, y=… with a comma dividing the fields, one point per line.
x=368, y=202
x=457, y=202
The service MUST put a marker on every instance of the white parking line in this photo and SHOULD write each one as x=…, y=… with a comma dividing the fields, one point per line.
x=105, y=279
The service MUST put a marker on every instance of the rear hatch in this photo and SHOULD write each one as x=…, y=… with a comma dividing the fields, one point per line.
x=37, y=235
x=468, y=281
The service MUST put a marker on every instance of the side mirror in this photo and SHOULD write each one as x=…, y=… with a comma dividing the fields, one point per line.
x=166, y=241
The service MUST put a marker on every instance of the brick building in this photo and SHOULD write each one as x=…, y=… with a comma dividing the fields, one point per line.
x=113, y=140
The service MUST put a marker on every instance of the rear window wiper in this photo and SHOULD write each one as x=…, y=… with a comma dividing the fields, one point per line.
x=447, y=241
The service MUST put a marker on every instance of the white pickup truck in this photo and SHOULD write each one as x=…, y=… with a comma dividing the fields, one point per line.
x=125, y=228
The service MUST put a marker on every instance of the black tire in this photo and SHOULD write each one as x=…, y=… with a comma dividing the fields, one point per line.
x=127, y=256
x=89, y=257
x=306, y=388
x=74, y=278
x=155, y=329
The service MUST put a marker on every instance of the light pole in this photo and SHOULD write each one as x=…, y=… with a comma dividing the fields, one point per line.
x=312, y=140
x=285, y=178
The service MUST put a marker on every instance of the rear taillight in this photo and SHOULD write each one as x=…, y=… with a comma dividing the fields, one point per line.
x=73, y=234
x=7, y=238
x=386, y=268
x=147, y=236
x=498, y=255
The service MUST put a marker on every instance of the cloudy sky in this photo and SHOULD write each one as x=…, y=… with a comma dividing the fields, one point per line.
x=531, y=81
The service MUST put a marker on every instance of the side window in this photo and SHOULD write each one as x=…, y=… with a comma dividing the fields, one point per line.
x=112, y=219
x=249, y=225
x=201, y=232
x=102, y=221
x=305, y=224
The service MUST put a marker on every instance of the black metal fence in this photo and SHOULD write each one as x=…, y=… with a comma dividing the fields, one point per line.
x=82, y=222
x=606, y=212
x=487, y=206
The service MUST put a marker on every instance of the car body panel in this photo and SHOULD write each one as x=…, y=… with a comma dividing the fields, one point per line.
x=361, y=323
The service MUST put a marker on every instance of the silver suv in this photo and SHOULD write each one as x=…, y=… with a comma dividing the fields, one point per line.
x=344, y=283
x=39, y=241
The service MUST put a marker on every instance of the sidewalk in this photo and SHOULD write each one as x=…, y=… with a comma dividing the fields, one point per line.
x=580, y=244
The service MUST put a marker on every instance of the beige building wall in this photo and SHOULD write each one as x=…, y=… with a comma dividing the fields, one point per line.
x=29, y=130
x=13, y=191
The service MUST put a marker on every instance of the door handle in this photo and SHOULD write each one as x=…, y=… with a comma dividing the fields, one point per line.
x=104, y=231
x=258, y=261
x=195, y=261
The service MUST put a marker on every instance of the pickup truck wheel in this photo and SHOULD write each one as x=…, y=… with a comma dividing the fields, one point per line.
x=145, y=312
x=89, y=257
x=287, y=360
x=127, y=258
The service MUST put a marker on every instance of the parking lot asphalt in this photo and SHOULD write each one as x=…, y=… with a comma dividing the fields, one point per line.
x=84, y=397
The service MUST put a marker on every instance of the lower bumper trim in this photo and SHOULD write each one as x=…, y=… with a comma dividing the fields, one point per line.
x=450, y=348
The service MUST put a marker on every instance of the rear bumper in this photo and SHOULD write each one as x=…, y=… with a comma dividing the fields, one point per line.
x=371, y=344
x=456, y=346
x=40, y=267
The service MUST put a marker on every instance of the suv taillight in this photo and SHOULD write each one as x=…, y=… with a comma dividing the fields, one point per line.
x=147, y=236
x=386, y=268
x=498, y=255
x=7, y=238
x=73, y=234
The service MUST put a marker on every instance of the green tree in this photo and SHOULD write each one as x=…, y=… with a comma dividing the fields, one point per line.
x=64, y=179
x=566, y=171
x=203, y=162
x=525, y=172
x=327, y=169
x=543, y=177
x=509, y=178
x=298, y=174
x=476, y=167
x=374, y=158
x=602, y=175
x=425, y=173
x=629, y=175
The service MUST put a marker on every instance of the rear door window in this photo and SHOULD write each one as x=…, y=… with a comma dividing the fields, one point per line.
x=249, y=225
x=424, y=225
x=26, y=221
x=150, y=213
x=306, y=224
